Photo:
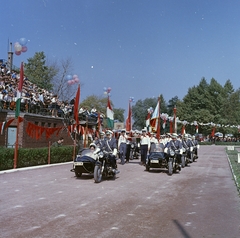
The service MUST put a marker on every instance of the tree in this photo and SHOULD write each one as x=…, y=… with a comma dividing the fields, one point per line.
x=38, y=72
x=60, y=84
x=100, y=103
x=119, y=114
x=140, y=110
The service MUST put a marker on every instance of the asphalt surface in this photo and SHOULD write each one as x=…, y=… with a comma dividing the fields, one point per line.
x=200, y=201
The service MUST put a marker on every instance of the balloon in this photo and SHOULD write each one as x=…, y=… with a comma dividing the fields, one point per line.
x=105, y=89
x=105, y=93
x=69, y=77
x=17, y=47
x=69, y=82
x=17, y=52
x=76, y=80
x=23, y=41
x=109, y=89
x=75, y=76
x=24, y=49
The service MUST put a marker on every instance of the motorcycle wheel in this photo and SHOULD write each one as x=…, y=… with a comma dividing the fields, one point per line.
x=194, y=158
x=97, y=174
x=191, y=158
x=78, y=174
x=147, y=167
x=131, y=155
x=170, y=168
x=183, y=161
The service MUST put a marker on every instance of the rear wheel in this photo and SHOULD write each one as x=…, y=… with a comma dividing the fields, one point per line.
x=183, y=161
x=170, y=168
x=78, y=174
x=97, y=173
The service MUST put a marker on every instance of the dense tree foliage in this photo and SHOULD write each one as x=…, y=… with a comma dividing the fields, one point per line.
x=211, y=102
x=38, y=72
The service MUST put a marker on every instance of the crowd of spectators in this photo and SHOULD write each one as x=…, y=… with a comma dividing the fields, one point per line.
x=35, y=99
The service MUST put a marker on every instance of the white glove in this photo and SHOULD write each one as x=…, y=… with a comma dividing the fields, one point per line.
x=180, y=151
x=114, y=152
x=191, y=148
x=198, y=146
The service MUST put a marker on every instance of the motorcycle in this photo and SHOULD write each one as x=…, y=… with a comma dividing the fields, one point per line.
x=84, y=163
x=103, y=166
x=156, y=158
x=195, y=153
x=185, y=157
x=173, y=165
x=133, y=151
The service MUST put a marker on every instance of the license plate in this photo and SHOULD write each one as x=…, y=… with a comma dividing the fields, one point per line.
x=78, y=163
x=154, y=161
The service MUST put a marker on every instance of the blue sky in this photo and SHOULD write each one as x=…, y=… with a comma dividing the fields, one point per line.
x=139, y=48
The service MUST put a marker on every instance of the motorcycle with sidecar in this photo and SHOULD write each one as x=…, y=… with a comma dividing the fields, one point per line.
x=84, y=162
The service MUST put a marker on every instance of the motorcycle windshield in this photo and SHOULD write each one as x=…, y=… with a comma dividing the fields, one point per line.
x=88, y=153
x=159, y=147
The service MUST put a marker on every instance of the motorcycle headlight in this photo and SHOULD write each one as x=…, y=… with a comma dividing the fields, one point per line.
x=101, y=155
x=183, y=150
x=132, y=146
x=171, y=152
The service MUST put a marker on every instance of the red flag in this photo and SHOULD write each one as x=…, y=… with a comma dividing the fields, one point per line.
x=128, y=121
x=76, y=104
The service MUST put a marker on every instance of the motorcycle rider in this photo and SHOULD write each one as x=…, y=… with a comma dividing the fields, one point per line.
x=186, y=144
x=94, y=150
x=110, y=145
x=176, y=144
x=99, y=142
x=196, y=146
x=153, y=142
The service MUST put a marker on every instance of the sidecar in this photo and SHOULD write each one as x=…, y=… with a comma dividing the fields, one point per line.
x=84, y=162
x=156, y=158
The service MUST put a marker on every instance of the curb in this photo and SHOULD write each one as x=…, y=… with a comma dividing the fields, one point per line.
x=234, y=176
x=33, y=167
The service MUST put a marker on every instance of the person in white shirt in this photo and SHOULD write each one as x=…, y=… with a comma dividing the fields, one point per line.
x=122, y=146
x=145, y=146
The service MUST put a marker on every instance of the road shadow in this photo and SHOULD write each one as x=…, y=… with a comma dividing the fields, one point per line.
x=181, y=229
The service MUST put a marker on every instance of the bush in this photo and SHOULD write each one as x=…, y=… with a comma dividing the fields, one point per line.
x=32, y=157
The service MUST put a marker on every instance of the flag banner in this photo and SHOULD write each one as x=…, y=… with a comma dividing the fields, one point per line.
x=149, y=129
x=110, y=115
x=128, y=120
x=155, y=118
x=19, y=92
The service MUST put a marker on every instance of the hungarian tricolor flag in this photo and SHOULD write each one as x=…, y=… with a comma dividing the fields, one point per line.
x=128, y=120
x=110, y=115
x=76, y=104
x=19, y=92
x=149, y=129
x=155, y=119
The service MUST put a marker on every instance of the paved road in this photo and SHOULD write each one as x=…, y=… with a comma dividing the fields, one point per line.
x=201, y=201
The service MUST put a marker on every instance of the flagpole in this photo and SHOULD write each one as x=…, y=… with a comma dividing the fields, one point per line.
x=16, y=146
x=159, y=122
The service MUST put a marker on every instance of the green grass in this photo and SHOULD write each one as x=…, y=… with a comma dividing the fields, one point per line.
x=233, y=158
